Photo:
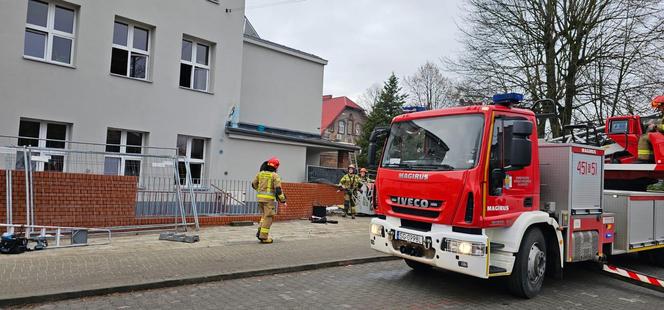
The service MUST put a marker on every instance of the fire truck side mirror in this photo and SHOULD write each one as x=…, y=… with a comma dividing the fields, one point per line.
x=371, y=155
x=521, y=152
x=376, y=134
x=522, y=128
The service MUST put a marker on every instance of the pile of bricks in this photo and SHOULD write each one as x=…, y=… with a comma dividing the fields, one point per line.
x=84, y=200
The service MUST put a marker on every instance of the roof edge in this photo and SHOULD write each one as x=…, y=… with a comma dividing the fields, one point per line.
x=284, y=49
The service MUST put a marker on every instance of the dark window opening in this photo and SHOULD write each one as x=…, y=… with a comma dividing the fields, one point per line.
x=119, y=60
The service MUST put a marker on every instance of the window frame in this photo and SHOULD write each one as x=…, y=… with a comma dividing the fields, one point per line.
x=341, y=132
x=51, y=32
x=187, y=158
x=42, y=148
x=194, y=63
x=131, y=49
x=358, y=130
x=502, y=119
x=122, y=153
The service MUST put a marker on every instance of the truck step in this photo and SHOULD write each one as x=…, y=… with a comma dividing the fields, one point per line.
x=495, y=269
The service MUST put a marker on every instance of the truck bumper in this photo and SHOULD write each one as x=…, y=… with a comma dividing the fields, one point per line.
x=441, y=247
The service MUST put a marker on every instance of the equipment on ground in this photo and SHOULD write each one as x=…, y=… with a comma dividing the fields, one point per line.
x=322, y=220
x=171, y=236
x=473, y=190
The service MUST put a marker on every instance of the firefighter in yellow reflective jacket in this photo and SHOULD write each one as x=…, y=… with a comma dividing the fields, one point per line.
x=351, y=184
x=658, y=104
x=645, y=150
x=267, y=184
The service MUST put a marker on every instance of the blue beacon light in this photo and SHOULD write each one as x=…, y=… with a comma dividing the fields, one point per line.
x=507, y=99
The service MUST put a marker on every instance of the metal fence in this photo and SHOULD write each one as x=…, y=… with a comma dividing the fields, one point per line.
x=328, y=175
x=166, y=194
x=146, y=164
x=211, y=197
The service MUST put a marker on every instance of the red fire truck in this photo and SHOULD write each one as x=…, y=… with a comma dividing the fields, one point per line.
x=472, y=190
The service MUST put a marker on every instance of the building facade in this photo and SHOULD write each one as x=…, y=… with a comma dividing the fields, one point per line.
x=125, y=74
x=342, y=121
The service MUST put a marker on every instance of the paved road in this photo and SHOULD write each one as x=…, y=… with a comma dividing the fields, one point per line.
x=386, y=285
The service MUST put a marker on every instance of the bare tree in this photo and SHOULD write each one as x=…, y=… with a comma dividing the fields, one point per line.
x=592, y=58
x=370, y=97
x=429, y=88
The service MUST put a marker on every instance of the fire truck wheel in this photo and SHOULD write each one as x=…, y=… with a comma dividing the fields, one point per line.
x=657, y=257
x=530, y=265
x=417, y=266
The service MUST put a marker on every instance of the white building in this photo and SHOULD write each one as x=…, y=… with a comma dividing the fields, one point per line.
x=123, y=72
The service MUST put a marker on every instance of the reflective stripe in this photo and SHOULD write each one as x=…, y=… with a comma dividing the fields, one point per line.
x=265, y=195
x=645, y=152
x=265, y=230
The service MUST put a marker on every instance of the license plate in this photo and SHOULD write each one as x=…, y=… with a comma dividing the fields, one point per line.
x=400, y=235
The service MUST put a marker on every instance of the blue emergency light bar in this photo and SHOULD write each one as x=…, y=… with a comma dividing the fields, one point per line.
x=411, y=109
x=507, y=99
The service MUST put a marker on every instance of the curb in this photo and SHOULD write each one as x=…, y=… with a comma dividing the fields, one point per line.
x=187, y=281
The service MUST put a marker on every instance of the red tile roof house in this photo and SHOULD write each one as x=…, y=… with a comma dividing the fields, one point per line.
x=342, y=121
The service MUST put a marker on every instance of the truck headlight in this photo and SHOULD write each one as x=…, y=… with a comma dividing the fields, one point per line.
x=377, y=230
x=464, y=247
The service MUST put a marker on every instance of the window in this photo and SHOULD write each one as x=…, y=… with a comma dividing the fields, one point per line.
x=619, y=126
x=131, y=50
x=191, y=149
x=442, y=143
x=501, y=148
x=195, y=65
x=350, y=127
x=357, y=129
x=128, y=144
x=342, y=128
x=46, y=138
x=49, y=32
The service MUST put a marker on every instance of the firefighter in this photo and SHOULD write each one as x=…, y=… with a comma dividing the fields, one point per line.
x=658, y=104
x=364, y=176
x=646, y=154
x=267, y=184
x=351, y=184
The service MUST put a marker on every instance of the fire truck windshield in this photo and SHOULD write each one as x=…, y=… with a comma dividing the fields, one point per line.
x=438, y=143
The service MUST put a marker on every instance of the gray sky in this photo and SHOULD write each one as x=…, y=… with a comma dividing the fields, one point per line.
x=363, y=40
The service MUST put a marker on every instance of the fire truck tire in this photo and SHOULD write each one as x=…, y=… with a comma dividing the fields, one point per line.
x=656, y=257
x=417, y=266
x=530, y=265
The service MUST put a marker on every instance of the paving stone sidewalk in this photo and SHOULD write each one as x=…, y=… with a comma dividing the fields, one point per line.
x=140, y=259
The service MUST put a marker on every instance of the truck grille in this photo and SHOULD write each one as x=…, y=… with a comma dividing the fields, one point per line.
x=416, y=212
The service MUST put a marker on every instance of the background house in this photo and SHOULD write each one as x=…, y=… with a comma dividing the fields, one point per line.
x=341, y=121
x=122, y=73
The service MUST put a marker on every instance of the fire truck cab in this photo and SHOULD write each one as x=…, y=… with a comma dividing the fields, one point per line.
x=471, y=190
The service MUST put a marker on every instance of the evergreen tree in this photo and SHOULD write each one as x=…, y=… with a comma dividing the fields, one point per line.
x=388, y=105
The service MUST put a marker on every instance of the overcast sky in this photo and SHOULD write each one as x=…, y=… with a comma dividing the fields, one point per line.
x=363, y=40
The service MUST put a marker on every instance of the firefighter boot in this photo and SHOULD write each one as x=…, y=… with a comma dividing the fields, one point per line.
x=267, y=241
x=346, y=208
x=258, y=231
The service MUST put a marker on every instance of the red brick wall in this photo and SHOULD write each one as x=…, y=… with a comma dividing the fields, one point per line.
x=70, y=199
x=302, y=196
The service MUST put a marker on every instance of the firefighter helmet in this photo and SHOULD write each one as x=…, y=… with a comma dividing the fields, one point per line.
x=658, y=102
x=364, y=170
x=273, y=162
